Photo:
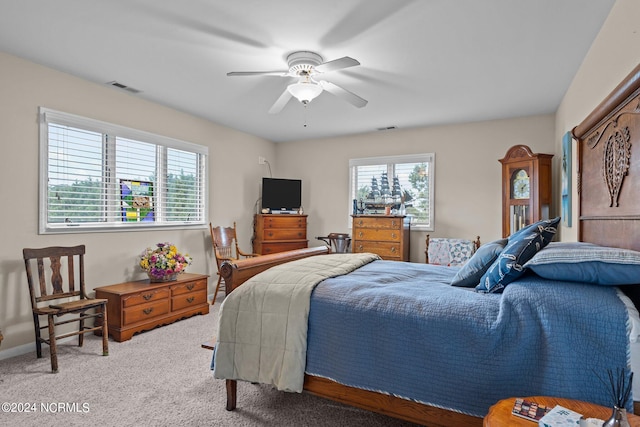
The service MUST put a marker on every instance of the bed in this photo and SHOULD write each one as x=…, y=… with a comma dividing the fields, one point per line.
x=589, y=285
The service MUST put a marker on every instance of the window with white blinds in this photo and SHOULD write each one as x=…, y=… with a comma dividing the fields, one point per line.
x=405, y=183
x=96, y=176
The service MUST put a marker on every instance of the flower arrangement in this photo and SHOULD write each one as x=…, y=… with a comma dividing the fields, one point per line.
x=164, y=262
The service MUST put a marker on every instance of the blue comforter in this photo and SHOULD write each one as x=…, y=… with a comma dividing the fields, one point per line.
x=401, y=329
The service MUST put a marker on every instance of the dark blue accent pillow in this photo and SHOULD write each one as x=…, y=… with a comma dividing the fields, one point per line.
x=472, y=271
x=522, y=246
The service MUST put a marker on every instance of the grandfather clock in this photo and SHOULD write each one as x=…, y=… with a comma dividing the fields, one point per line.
x=526, y=188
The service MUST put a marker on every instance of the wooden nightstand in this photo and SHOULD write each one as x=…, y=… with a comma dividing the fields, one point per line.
x=500, y=414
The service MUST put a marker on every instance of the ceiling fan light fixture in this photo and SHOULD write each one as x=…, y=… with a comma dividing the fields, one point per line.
x=305, y=92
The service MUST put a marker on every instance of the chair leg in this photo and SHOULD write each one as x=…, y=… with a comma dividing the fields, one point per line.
x=52, y=345
x=215, y=293
x=105, y=332
x=80, y=329
x=36, y=323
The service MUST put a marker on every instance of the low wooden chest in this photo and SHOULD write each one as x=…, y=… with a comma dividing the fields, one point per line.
x=140, y=305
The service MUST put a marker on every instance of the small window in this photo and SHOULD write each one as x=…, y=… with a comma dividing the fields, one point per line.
x=401, y=182
x=96, y=176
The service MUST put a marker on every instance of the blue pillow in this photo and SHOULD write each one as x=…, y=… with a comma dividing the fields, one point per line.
x=472, y=271
x=587, y=263
x=522, y=246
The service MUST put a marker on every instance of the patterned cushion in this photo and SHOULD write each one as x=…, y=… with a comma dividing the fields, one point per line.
x=522, y=246
x=450, y=252
x=470, y=274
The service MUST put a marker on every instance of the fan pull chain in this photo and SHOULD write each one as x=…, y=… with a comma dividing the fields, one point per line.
x=305, y=116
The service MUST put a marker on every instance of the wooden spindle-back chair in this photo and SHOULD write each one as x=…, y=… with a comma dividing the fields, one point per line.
x=54, y=296
x=225, y=248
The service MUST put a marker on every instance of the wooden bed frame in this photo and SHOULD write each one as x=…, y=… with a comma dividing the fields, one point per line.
x=609, y=168
x=609, y=214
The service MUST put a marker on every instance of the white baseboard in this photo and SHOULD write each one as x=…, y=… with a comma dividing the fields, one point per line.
x=28, y=348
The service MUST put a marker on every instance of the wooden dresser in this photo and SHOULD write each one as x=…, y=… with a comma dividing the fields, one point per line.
x=139, y=306
x=278, y=233
x=385, y=235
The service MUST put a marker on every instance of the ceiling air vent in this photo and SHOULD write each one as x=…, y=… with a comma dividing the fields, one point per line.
x=123, y=87
x=388, y=128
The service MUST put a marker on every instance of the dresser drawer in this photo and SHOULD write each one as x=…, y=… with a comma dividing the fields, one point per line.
x=188, y=300
x=285, y=234
x=386, y=250
x=284, y=221
x=378, y=222
x=378, y=234
x=145, y=297
x=143, y=312
x=272, y=248
x=274, y=233
x=185, y=288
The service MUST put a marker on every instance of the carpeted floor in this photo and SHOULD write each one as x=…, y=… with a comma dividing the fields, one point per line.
x=158, y=378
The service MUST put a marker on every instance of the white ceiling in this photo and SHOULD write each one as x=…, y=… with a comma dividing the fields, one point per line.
x=423, y=62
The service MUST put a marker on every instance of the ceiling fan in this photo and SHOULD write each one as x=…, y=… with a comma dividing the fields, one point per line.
x=306, y=67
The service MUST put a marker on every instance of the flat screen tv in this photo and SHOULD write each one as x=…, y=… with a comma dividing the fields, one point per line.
x=281, y=195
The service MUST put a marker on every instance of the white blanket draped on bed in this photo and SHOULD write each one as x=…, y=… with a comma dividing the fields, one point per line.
x=262, y=334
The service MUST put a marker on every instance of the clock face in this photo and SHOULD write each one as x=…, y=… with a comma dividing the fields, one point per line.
x=520, y=185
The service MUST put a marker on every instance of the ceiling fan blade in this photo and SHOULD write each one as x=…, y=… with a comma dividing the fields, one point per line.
x=343, y=94
x=258, y=73
x=280, y=102
x=336, y=64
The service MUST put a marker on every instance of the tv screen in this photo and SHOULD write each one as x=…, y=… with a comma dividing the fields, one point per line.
x=280, y=194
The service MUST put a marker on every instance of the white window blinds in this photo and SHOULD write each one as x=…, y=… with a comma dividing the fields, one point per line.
x=98, y=176
x=380, y=181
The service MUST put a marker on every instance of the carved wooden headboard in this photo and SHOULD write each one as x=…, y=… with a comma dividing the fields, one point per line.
x=609, y=168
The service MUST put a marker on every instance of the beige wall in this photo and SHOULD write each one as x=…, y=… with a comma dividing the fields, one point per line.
x=233, y=180
x=468, y=175
x=613, y=54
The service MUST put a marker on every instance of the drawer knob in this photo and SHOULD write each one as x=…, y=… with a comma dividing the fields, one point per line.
x=148, y=310
x=393, y=223
x=190, y=299
x=361, y=234
x=360, y=247
x=190, y=286
x=360, y=222
x=394, y=236
x=393, y=249
x=147, y=297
